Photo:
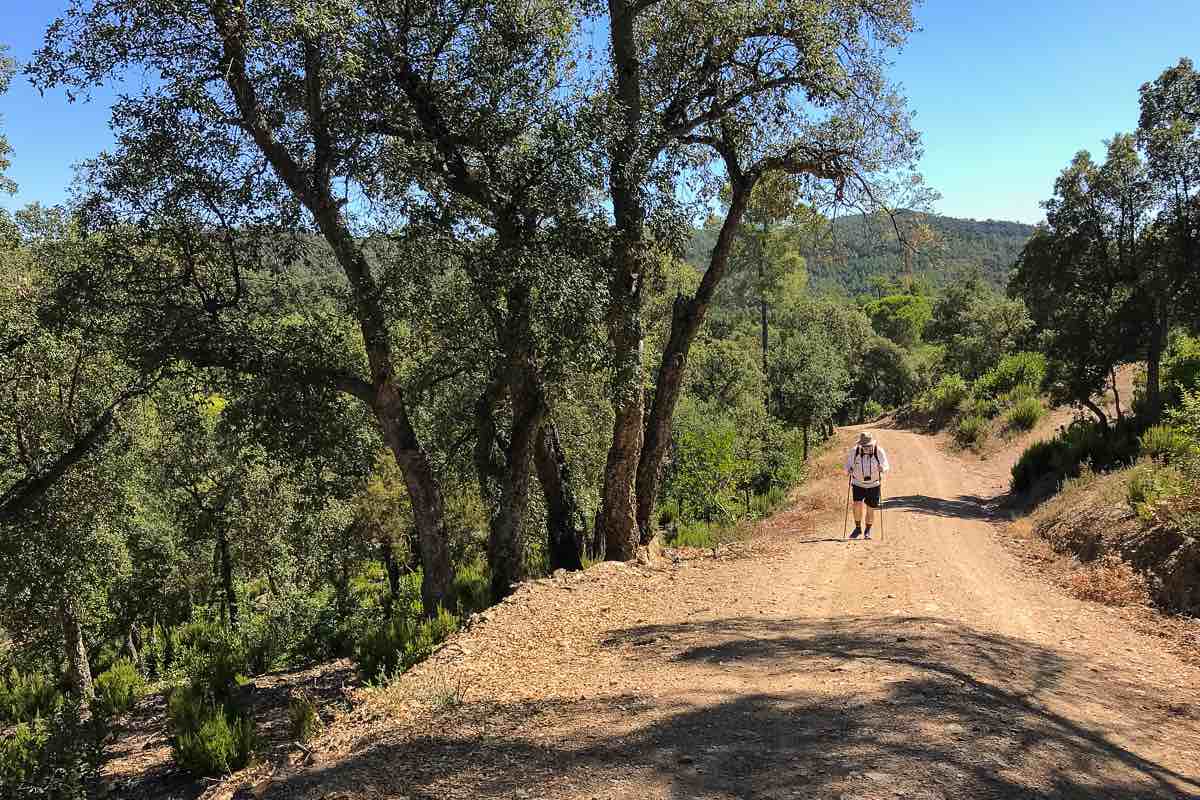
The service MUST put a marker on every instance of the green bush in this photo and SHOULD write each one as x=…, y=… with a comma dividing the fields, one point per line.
x=971, y=430
x=944, y=398
x=471, y=589
x=1166, y=443
x=221, y=744
x=58, y=756
x=212, y=657
x=1038, y=460
x=405, y=640
x=983, y=407
x=872, y=411
x=303, y=719
x=1025, y=414
x=20, y=752
x=1083, y=442
x=26, y=696
x=1151, y=483
x=1017, y=369
x=118, y=688
x=1019, y=394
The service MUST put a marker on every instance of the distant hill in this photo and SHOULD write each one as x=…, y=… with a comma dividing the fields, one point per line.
x=859, y=248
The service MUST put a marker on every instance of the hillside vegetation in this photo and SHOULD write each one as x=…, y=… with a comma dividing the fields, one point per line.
x=855, y=254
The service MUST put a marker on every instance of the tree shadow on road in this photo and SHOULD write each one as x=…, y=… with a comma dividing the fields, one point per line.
x=948, y=711
x=962, y=507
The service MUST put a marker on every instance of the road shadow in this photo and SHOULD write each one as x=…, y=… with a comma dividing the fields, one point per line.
x=962, y=507
x=950, y=712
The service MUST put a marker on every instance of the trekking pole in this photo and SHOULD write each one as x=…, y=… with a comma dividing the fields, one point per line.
x=881, y=529
x=846, y=517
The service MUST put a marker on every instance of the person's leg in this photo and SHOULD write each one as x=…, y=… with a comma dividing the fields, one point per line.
x=872, y=503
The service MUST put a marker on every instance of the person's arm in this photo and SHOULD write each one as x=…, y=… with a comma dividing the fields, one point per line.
x=850, y=463
x=884, y=466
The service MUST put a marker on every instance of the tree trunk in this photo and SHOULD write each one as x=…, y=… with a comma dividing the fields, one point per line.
x=1116, y=395
x=618, y=519
x=762, y=317
x=425, y=493
x=392, y=568
x=79, y=672
x=687, y=314
x=565, y=526
x=1158, y=343
x=805, y=427
x=312, y=186
x=230, y=596
x=1095, y=409
x=506, y=540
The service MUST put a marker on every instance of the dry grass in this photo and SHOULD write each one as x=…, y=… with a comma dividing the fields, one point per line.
x=1110, y=581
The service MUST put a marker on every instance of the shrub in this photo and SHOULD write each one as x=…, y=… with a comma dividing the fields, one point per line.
x=1025, y=414
x=872, y=411
x=471, y=588
x=1017, y=369
x=1019, y=394
x=303, y=719
x=1110, y=581
x=53, y=757
x=212, y=657
x=221, y=744
x=20, y=752
x=1166, y=443
x=971, y=430
x=1038, y=460
x=945, y=396
x=26, y=696
x=1151, y=483
x=983, y=407
x=118, y=688
x=398, y=644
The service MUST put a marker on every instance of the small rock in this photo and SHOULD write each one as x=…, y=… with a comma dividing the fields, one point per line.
x=687, y=760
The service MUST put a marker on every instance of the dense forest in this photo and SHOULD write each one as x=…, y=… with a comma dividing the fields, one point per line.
x=374, y=312
x=858, y=254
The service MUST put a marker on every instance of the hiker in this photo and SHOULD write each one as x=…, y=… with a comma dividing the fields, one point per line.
x=865, y=465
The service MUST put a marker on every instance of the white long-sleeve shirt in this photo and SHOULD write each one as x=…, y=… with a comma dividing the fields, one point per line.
x=866, y=469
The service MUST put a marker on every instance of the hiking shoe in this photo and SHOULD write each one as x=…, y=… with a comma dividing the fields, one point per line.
x=867, y=533
x=854, y=534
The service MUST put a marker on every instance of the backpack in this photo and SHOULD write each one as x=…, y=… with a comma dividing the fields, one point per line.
x=858, y=456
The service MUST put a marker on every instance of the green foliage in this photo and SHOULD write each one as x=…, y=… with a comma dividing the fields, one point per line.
x=944, y=398
x=1014, y=370
x=471, y=589
x=54, y=757
x=971, y=431
x=1025, y=414
x=212, y=657
x=24, y=696
x=396, y=645
x=1181, y=368
x=901, y=318
x=209, y=738
x=303, y=720
x=20, y=752
x=1186, y=416
x=1081, y=443
x=704, y=466
x=872, y=411
x=118, y=688
x=1151, y=483
x=1166, y=443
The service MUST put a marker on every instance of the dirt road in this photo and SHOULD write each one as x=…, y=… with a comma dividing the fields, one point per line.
x=923, y=665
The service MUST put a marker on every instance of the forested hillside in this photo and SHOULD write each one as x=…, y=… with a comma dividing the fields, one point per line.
x=852, y=250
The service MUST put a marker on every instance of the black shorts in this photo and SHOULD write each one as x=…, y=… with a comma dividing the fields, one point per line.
x=871, y=496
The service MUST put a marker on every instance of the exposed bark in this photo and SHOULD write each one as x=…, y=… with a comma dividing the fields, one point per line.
x=1158, y=344
x=618, y=519
x=79, y=672
x=805, y=426
x=226, y=567
x=565, y=526
x=392, y=568
x=1101, y=417
x=1116, y=394
x=312, y=186
x=687, y=314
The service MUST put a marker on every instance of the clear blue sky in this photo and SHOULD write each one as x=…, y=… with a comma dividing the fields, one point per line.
x=1005, y=94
